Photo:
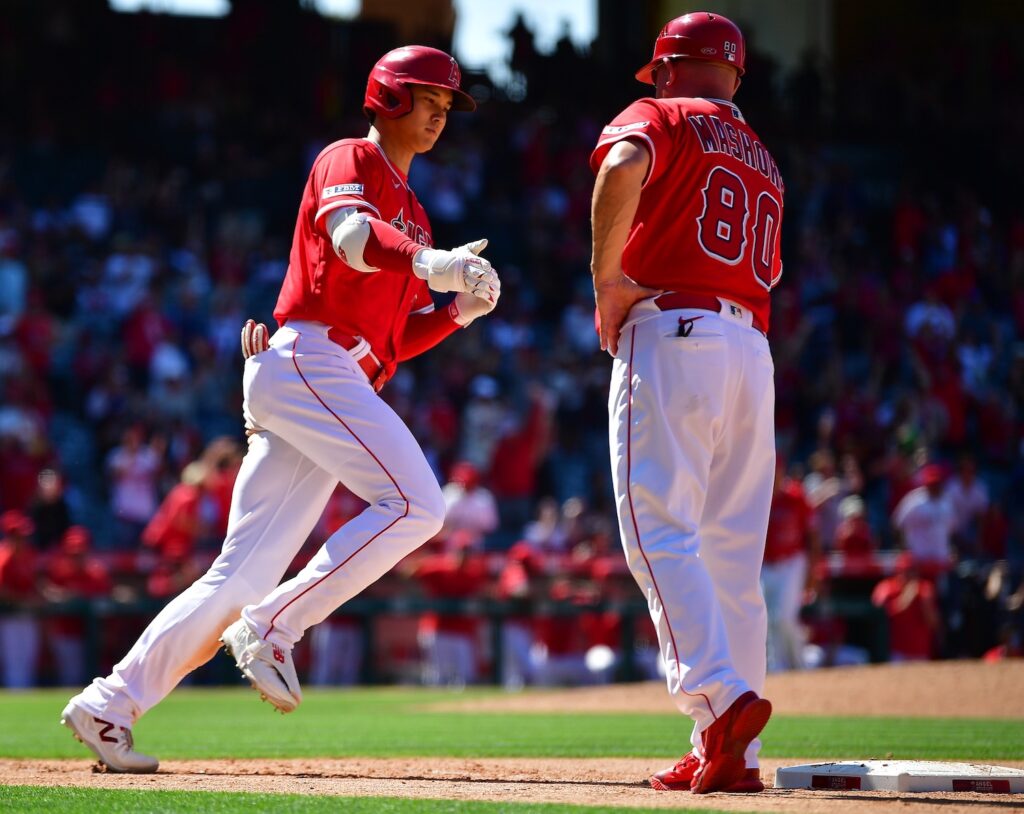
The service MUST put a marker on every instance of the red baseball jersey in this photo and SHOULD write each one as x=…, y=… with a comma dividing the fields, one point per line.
x=320, y=286
x=710, y=213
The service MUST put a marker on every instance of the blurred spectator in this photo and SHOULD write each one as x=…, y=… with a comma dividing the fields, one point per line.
x=176, y=568
x=470, y=506
x=134, y=467
x=71, y=573
x=546, y=533
x=49, y=509
x=825, y=488
x=967, y=496
x=518, y=585
x=854, y=537
x=519, y=450
x=177, y=524
x=19, y=592
x=911, y=606
x=449, y=640
x=336, y=657
x=791, y=551
x=560, y=652
x=924, y=521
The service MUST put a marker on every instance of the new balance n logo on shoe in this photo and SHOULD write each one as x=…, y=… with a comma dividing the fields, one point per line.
x=103, y=732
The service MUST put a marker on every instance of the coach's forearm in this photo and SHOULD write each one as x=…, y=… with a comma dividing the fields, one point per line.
x=616, y=198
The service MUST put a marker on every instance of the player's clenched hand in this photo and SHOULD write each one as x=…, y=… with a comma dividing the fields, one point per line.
x=467, y=307
x=614, y=299
x=255, y=338
x=459, y=270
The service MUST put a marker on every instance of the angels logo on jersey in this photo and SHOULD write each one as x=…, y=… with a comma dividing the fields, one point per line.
x=414, y=231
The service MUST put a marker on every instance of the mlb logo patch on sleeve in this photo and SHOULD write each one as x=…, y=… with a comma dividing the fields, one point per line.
x=613, y=129
x=343, y=189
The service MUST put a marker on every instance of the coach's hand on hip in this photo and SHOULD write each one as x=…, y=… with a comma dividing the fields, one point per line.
x=614, y=299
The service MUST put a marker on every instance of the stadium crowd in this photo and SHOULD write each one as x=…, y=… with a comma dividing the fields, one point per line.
x=146, y=212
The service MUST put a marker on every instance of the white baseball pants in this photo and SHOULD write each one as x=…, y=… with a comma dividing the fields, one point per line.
x=320, y=423
x=693, y=454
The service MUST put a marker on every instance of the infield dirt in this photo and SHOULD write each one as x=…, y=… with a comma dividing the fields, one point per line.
x=954, y=689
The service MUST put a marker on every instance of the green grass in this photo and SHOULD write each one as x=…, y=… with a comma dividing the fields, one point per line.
x=27, y=799
x=399, y=722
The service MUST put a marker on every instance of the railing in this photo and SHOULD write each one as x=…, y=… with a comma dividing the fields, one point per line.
x=94, y=614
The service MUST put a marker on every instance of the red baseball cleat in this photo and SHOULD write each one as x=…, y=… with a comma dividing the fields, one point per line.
x=726, y=740
x=680, y=776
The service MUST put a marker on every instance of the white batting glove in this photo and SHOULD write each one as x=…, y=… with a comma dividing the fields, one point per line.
x=458, y=270
x=467, y=307
x=255, y=338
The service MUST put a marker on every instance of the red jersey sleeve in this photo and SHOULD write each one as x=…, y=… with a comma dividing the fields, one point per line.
x=422, y=302
x=348, y=175
x=643, y=122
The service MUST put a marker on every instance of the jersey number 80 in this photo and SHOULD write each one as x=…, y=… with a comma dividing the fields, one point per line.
x=722, y=226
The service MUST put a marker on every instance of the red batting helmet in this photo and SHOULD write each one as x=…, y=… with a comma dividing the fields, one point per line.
x=387, y=89
x=699, y=35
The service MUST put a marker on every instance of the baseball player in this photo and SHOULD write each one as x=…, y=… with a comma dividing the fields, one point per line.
x=686, y=213
x=355, y=302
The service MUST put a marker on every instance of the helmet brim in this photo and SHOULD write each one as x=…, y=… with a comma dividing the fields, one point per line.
x=461, y=100
x=646, y=73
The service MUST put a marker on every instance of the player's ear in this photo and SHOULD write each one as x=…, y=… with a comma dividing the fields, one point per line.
x=739, y=81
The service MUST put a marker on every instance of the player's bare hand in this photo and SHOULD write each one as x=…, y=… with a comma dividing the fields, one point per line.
x=614, y=299
x=255, y=338
x=461, y=270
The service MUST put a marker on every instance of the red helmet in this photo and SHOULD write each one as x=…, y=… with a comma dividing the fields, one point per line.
x=387, y=89
x=700, y=35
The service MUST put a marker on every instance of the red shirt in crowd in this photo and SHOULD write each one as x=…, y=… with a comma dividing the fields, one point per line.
x=77, y=576
x=18, y=569
x=789, y=523
x=451, y=576
x=911, y=613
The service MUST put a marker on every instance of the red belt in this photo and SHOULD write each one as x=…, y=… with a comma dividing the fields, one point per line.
x=706, y=302
x=370, y=364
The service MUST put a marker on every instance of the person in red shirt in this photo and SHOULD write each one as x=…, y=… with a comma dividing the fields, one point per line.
x=178, y=523
x=449, y=641
x=356, y=301
x=791, y=547
x=19, y=589
x=913, y=611
x=687, y=216
x=71, y=573
x=519, y=584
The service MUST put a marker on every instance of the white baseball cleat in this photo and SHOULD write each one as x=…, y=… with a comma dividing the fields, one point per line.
x=269, y=667
x=112, y=744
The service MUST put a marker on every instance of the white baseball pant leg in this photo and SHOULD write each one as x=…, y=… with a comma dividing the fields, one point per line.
x=322, y=424
x=692, y=447
x=318, y=399
x=278, y=497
